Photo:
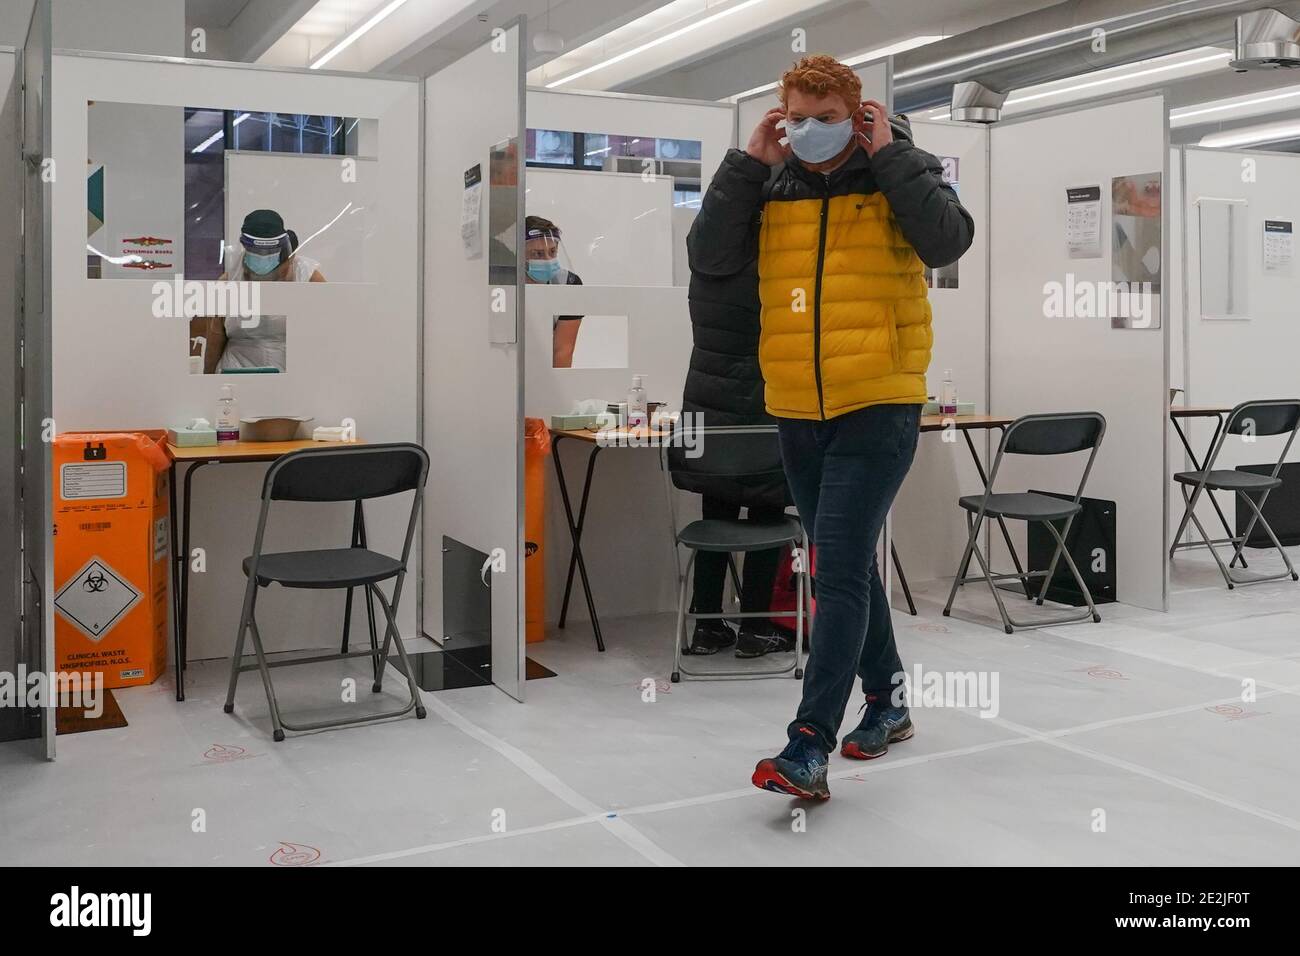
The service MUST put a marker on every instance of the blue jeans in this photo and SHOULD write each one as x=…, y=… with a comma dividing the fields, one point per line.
x=844, y=474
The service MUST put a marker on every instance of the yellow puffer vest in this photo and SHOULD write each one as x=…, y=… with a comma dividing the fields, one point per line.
x=845, y=320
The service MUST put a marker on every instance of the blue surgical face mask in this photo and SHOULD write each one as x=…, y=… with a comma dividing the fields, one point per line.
x=543, y=270
x=262, y=264
x=816, y=142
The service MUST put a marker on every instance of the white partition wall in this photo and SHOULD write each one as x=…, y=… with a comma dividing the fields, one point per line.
x=351, y=345
x=929, y=531
x=1041, y=364
x=1229, y=361
x=11, y=204
x=37, y=303
x=473, y=353
x=628, y=577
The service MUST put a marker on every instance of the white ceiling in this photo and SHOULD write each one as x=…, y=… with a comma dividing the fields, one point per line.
x=214, y=13
x=732, y=53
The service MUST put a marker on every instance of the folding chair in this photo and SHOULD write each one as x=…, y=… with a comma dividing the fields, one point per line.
x=737, y=452
x=343, y=474
x=1254, y=419
x=1052, y=434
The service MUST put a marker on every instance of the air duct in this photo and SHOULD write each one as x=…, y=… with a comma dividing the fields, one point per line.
x=974, y=102
x=1066, y=40
x=1267, y=40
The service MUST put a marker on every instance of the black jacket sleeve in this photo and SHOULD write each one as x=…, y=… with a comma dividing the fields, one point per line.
x=724, y=237
x=927, y=209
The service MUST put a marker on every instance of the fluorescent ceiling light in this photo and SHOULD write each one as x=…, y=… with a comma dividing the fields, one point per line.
x=378, y=17
x=1182, y=115
x=650, y=45
x=1266, y=133
x=858, y=59
x=1114, y=75
x=1123, y=77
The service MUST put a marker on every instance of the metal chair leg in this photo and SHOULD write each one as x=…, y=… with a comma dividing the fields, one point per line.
x=973, y=531
x=390, y=614
x=679, y=632
x=245, y=614
x=1056, y=558
x=993, y=586
x=1074, y=570
x=277, y=725
x=1268, y=529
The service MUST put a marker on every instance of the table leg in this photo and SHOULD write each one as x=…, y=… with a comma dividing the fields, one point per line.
x=902, y=579
x=1006, y=535
x=184, y=633
x=1196, y=466
x=178, y=568
x=575, y=534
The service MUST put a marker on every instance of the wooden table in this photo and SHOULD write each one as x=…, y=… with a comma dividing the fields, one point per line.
x=195, y=457
x=597, y=440
x=1176, y=414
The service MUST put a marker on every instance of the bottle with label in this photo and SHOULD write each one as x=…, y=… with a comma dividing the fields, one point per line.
x=638, y=414
x=227, y=416
x=948, y=396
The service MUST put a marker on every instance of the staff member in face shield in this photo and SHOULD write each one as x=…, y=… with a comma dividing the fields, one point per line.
x=545, y=264
x=267, y=252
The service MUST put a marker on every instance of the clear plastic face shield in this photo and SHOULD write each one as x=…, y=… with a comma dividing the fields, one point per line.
x=263, y=256
x=545, y=260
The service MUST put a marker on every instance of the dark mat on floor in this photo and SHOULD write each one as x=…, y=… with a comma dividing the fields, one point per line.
x=73, y=720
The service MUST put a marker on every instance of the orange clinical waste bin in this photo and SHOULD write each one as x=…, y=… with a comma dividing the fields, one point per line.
x=111, y=535
x=537, y=445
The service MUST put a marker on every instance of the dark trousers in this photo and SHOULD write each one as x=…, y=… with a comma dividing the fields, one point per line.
x=844, y=474
x=757, y=576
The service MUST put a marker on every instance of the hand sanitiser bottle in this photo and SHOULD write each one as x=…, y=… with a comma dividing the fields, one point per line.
x=638, y=415
x=948, y=397
x=227, y=416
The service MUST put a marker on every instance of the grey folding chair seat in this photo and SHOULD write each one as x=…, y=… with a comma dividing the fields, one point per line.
x=352, y=474
x=1025, y=506
x=1228, y=479
x=1256, y=419
x=734, y=536
x=737, y=452
x=1038, y=435
x=335, y=568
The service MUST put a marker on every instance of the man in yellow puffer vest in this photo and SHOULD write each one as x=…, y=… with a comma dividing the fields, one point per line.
x=841, y=213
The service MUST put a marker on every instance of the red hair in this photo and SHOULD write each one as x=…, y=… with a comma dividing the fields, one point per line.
x=821, y=75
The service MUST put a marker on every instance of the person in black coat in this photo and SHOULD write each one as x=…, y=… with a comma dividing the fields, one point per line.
x=725, y=388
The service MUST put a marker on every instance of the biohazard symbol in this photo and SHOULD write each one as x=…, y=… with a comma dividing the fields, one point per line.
x=95, y=582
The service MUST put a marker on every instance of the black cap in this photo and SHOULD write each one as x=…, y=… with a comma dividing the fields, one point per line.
x=263, y=224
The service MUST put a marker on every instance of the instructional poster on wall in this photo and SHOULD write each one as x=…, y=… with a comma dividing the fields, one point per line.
x=1083, y=222
x=1135, y=223
x=1279, y=246
x=471, y=203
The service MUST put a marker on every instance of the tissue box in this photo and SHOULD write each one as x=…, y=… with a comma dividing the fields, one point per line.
x=963, y=408
x=191, y=437
x=574, y=422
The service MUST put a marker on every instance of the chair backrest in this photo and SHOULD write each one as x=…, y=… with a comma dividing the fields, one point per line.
x=347, y=473
x=733, y=451
x=1263, y=418
x=1054, y=434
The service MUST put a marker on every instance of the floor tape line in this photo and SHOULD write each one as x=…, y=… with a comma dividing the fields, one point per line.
x=617, y=826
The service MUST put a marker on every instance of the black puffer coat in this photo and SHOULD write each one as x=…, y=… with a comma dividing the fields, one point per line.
x=724, y=386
